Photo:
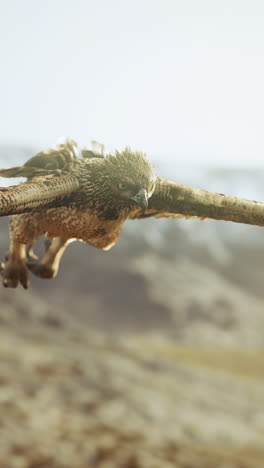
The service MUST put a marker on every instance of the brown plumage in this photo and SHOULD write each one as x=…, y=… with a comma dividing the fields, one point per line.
x=89, y=198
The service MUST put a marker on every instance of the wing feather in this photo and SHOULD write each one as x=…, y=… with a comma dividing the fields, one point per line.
x=51, y=161
x=171, y=200
x=55, y=158
x=39, y=192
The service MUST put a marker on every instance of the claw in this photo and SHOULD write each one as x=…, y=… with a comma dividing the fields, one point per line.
x=13, y=274
x=41, y=270
x=48, y=265
x=14, y=270
x=37, y=266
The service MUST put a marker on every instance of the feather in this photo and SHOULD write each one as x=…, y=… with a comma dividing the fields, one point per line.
x=30, y=196
x=171, y=200
x=24, y=171
x=51, y=161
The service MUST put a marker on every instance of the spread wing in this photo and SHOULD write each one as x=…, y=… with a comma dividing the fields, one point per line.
x=53, y=160
x=171, y=200
x=48, y=180
x=33, y=195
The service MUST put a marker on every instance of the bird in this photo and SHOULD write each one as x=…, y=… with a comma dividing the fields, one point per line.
x=87, y=195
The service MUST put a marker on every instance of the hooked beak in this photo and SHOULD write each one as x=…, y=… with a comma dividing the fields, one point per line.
x=141, y=198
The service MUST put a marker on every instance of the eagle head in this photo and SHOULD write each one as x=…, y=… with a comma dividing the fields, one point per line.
x=131, y=177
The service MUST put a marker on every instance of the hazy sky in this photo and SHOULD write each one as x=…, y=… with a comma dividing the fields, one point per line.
x=181, y=79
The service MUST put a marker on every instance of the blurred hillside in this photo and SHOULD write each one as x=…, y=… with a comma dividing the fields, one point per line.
x=70, y=396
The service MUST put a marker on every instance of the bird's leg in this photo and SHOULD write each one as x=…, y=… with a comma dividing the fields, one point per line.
x=14, y=271
x=31, y=256
x=48, y=265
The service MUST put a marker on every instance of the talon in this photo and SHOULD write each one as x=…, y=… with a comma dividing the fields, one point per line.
x=13, y=274
x=41, y=270
x=14, y=271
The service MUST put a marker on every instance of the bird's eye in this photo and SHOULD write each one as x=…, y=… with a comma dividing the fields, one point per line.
x=122, y=186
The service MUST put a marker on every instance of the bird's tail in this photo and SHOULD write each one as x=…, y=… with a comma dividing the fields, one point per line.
x=33, y=195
